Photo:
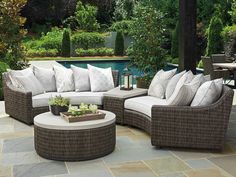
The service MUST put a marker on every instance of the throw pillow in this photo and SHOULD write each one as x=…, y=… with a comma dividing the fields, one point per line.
x=64, y=79
x=14, y=73
x=172, y=84
x=185, y=90
x=100, y=79
x=46, y=77
x=81, y=78
x=30, y=84
x=208, y=93
x=159, y=83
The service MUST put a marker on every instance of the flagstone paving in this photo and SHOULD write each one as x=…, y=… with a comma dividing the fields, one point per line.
x=133, y=157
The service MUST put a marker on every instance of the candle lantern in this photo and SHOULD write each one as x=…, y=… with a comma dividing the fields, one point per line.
x=126, y=80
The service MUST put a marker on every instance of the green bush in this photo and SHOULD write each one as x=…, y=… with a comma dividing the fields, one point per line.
x=95, y=52
x=3, y=68
x=214, y=38
x=66, y=44
x=86, y=40
x=228, y=33
x=119, y=44
x=175, y=42
x=122, y=26
x=41, y=52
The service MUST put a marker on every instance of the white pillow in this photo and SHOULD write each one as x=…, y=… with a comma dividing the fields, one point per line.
x=81, y=78
x=172, y=84
x=46, y=77
x=14, y=73
x=159, y=83
x=208, y=93
x=185, y=90
x=30, y=84
x=100, y=79
x=64, y=79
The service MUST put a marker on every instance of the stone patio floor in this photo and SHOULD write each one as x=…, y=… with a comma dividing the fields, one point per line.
x=133, y=157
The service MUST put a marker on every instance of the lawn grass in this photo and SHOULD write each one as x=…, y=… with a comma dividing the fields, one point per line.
x=77, y=58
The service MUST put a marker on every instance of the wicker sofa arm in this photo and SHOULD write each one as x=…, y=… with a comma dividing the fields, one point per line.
x=18, y=103
x=193, y=127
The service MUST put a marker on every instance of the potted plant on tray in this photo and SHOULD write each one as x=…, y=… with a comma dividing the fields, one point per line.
x=58, y=104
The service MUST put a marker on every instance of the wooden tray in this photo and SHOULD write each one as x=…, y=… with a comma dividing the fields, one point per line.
x=68, y=117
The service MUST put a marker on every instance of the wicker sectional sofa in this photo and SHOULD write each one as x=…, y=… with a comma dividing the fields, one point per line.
x=185, y=126
x=23, y=107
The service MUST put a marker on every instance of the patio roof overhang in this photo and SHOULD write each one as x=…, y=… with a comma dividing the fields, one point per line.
x=187, y=38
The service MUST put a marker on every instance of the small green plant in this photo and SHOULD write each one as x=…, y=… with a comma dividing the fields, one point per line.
x=3, y=68
x=119, y=44
x=66, y=44
x=59, y=101
x=95, y=52
x=83, y=109
x=122, y=26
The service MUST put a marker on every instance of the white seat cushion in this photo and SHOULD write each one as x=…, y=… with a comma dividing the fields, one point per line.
x=76, y=98
x=144, y=104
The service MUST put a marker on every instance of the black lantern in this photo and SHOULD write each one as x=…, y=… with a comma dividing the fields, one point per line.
x=126, y=80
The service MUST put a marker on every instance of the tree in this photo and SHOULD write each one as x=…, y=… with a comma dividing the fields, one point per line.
x=66, y=44
x=214, y=37
x=84, y=18
x=119, y=44
x=175, y=42
x=147, y=52
x=232, y=12
x=11, y=31
x=124, y=9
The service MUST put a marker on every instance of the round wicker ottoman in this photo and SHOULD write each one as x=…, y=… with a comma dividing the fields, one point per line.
x=56, y=139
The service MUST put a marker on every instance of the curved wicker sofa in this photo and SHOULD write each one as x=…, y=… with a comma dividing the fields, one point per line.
x=187, y=127
x=18, y=103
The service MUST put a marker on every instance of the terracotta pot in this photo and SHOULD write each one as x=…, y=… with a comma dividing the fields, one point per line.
x=56, y=110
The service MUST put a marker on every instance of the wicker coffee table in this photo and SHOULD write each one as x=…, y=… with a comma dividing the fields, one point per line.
x=114, y=101
x=56, y=139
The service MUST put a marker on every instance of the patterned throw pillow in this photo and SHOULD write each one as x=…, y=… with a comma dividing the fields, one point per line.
x=64, y=79
x=100, y=79
x=159, y=83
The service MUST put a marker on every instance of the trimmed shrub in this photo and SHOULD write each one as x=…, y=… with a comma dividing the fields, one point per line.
x=66, y=44
x=95, y=52
x=86, y=40
x=119, y=44
x=122, y=26
x=3, y=68
x=175, y=42
x=41, y=52
x=214, y=38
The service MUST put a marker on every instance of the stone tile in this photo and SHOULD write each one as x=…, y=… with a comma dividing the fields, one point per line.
x=200, y=164
x=19, y=126
x=135, y=154
x=5, y=170
x=1, y=144
x=227, y=163
x=40, y=169
x=185, y=155
x=19, y=158
x=6, y=128
x=94, y=168
x=173, y=175
x=14, y=135
x=206, y=173
x=2, y=107
x=167, y=165
x=5, y=120
x=124, y=142
x=131, y=169
x=18, y=145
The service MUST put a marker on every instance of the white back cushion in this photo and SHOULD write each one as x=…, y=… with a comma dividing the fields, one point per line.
x=185, y=90
x=14, y=73
x=208, y=93
x=30, y=84
x=46, y=77
x=81, y=78
x=159, y=83
x=64, y=79
x=172, y=84
x=100, y=79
